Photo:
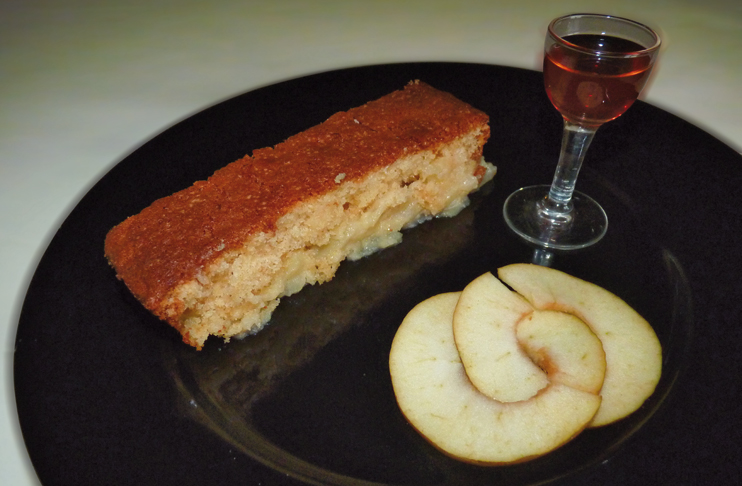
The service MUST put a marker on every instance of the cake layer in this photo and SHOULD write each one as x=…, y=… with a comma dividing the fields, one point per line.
x=214, y=259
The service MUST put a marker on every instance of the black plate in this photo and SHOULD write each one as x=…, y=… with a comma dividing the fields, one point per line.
x=107, y=394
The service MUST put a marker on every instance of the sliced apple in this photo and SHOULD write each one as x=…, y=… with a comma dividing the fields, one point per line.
x=436, y=396
x=484, y=325
x=564, y=347
x=633, y=353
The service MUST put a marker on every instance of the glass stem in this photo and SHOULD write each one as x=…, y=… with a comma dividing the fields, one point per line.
x=575, y=141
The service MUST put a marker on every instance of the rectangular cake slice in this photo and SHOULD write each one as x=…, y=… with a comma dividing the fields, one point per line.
x=215, y=258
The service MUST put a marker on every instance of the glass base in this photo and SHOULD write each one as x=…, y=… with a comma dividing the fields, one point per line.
x=583, y=226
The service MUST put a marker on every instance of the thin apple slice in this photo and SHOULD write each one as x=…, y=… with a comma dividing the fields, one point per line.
x=632, y=351
x=435, y=395
x=484, y=323
x=564, y=347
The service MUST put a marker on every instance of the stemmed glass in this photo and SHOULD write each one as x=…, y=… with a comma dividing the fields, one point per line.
x=595, y=66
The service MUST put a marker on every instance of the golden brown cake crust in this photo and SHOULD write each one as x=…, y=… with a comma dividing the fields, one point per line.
x=168, y=242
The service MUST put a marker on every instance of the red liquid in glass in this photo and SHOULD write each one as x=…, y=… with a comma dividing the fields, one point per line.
x=592, y=89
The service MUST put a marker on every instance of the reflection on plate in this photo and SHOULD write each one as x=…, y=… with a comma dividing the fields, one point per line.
x=107, y=394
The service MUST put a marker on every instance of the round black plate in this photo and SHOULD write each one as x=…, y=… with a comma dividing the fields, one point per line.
x=107, y=394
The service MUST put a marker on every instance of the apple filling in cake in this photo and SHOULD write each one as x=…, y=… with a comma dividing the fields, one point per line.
x=216, y=258
x=237, y=294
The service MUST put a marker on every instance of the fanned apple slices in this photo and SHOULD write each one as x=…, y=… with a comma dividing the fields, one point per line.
x=492, y=376
x=438, y=399
x=632, y=351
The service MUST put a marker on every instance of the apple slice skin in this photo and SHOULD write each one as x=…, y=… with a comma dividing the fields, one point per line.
x=632, y=351
x=437, y=398
x=484, y=324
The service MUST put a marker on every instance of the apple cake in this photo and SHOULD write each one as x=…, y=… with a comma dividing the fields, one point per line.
x=216, y=258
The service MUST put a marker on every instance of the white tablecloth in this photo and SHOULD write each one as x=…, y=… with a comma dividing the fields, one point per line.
x=84, y=82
